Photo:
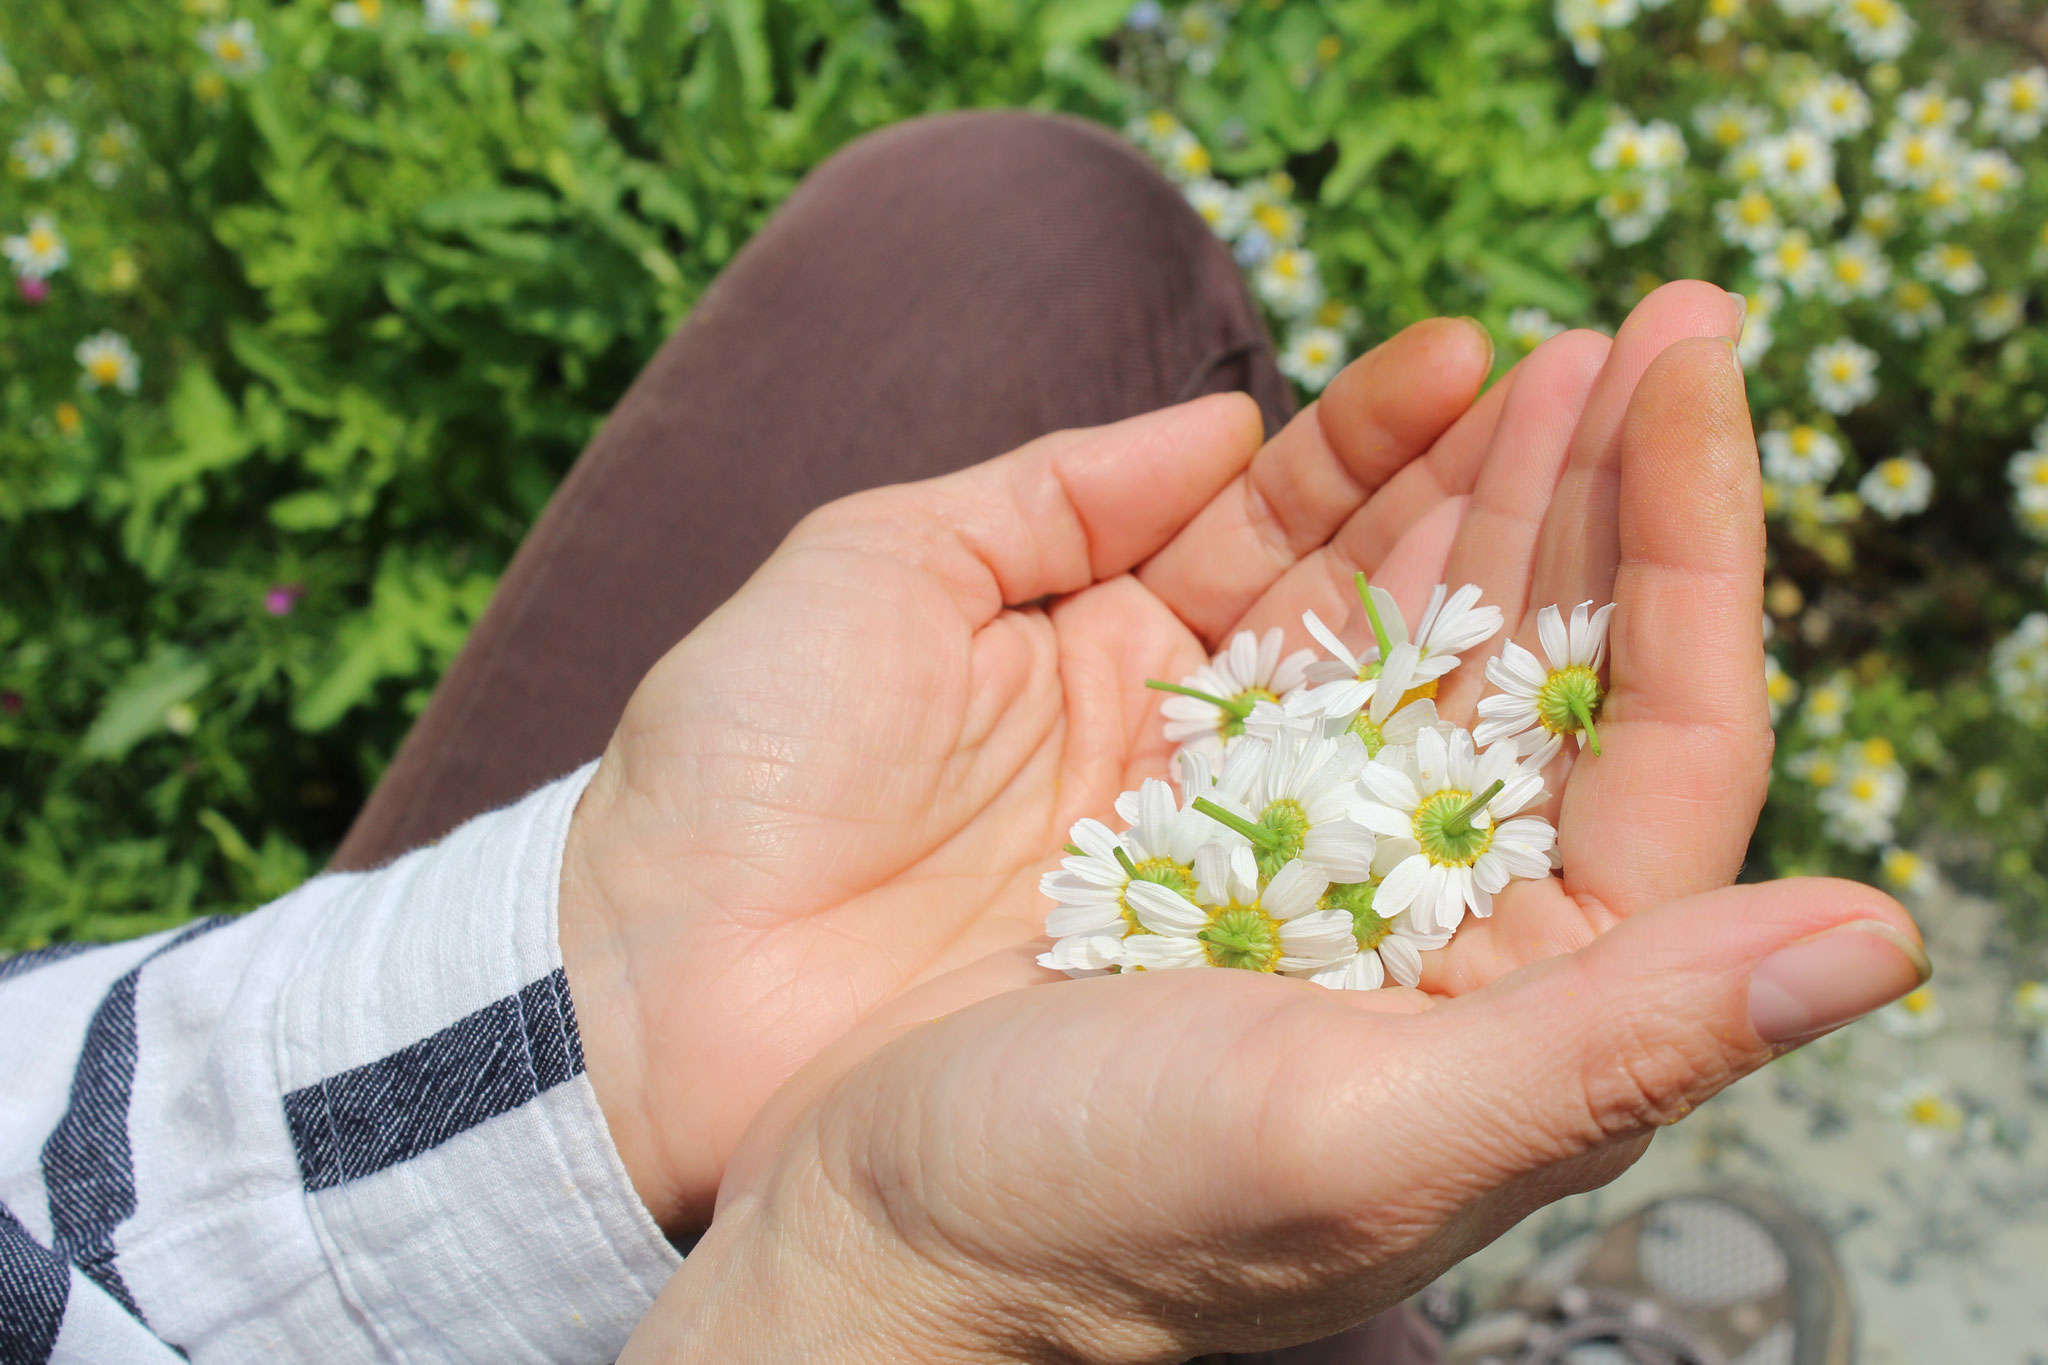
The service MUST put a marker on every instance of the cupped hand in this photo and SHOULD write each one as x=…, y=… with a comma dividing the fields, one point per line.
x=849, y=778
x=1147, y=1167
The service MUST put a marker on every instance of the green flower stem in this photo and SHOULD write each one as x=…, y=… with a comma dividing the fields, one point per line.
x=1584, y=715
x=1461, y=822
x=1130, y=869
x=1239, y=709
x=1258, y=834
x=1077, y=850
x=1372, y=614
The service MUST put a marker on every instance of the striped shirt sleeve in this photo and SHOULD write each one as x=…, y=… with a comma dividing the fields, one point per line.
x=352, y=1125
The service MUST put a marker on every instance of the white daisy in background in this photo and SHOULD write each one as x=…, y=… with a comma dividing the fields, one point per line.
x=1749, y=220
x=1234, y=922
x=1998, y=315
x=1196, y=38
x=1907, y=872
x=1632, y=212
x=1834, y=107
x=1799, y=455
x=1914, y=309
x=1918, y=1014
x=109, y=362
x=1289, y=282
x=1899, y=487
x=233, y=47
x=1718, y=17
x=2030, y=1003
x=111, y=148
x=1312, y=356
x=1842, y=375
x=1089, y=889
x=2015, y=106
x=1529, y=328
x=1757, y=329
x=1221, y=206
x=1293, y=802
x=1857, y=269
x=358, y=13
x=1827, y=707
x=1185, y=158
x=1793, y=262
x=1929, y=1117
x=1580, y=25
x=39, y=252
x=1450, y=817
x=1799, y=162
x=1913, y=158
x=46, y=147
x=1639, y=148
x=1931, y=106
x=1865, y=797
x=1878, y=215
x=1946, y=201
x=2019, y=669
x=1211, y=703
x=1745, y=164
x=1952, y=266
x=1388, y=948
x=1877, y=30
x=1537, y=703
x=1153, y=130
x=473, y=17
x=1780, y=689
x=1990, y=177
x=1729, y=123
x=1273, y=214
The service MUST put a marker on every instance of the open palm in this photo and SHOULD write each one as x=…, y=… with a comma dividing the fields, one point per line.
x=846, y=782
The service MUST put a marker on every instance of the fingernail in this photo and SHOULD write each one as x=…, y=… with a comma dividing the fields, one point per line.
x=1741, y=310
x=1476, y=325
x=1823, y=982
x=1735, y=357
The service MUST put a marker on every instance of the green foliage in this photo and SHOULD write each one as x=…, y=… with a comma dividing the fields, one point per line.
x=384, y=288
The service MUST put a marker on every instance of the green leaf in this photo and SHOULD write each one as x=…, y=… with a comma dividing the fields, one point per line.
x=314, y=509
x=135, y=708
x=472, y=210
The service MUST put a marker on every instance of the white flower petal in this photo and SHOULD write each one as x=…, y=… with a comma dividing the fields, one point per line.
x=1402, y=886
x=1327, y=638
x=1159, y=952
x=1557, y=645
x=1401, y=961
x=1163, y=911
x=1294, y=890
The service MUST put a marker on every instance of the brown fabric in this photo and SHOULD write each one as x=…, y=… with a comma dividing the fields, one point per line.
x=935, y=294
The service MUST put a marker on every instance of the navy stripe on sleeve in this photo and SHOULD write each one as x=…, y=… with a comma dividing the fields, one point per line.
x=41, y=957
x=35, y=1286
x=388, y=1111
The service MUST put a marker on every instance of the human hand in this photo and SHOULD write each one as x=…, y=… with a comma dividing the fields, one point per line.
x=849, y=778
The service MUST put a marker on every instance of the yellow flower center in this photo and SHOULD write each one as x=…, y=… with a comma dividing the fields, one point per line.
x=1896, y=474
x=230, y=50
x=1918, y=1002
x=68, y=420
x=1863, y=787
x=105, y=367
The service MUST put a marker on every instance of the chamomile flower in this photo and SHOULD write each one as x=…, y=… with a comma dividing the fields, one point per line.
x=1379, y=702
x=1312, y=356
x=1926, y=1113
x=1878, y=215
x=1389, y=948
x=1185, y=158
x=111, y=148
x=1450, y=815
x=1827, y=707
x=1800, y=454
x=1931, y=106
x=1914, y=309
x=1729, y=123
x=1558, y=695
x=2030, y=1003
x=1877, y=30
x=1990, y=177
x=1858, y=808
x=1219, y=205
x=1153, y=130
x=472, y=17
x=2015, y=106
x=1633, y=211
x=1842, y=375
x=1213, y=701
x=1834, y=107
x=1793, y=262
x=1914, y=158
x=1089, y=890
x=109, y=362
x=1272, y=214
x=1917, y=1014
x=2019, y=669
x=1780, y=688
x=47, y=147
x=1799, y=162
x=1639, y=148
x=1749, y=220
x=1719, y=15
x=1529, y=328
x=1580, y=25
x=1857, y=269
x=1998, y=315
x=1289, y=282
x=1899, y=487
x=1293, y=800
x=1235, y=921
x=358, y=13
x=39, y=252
x=1907, y=872
x=1952, y=266
x=233, y=47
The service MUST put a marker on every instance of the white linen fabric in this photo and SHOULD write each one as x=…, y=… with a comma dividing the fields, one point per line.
x=353, y=1125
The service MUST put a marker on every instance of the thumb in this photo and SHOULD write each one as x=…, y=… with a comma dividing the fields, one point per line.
x=1666, y=1009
